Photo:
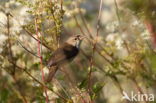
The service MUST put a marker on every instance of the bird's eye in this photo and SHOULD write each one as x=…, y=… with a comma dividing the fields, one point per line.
x=75, y=39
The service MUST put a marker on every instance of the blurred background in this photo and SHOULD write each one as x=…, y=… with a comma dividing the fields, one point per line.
x=118, y=56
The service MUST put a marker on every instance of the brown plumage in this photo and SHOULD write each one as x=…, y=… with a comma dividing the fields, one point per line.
x=64, y=54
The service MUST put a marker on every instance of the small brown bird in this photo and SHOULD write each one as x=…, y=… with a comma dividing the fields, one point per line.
x=64, y=54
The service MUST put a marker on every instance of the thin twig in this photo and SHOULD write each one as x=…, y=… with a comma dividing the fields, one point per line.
x=30, y=34
x=85, y=24
x=94, y=47
x=61, y=3
x=11, y=57
x=27, y=49
x=41, y=60
x=9, y=41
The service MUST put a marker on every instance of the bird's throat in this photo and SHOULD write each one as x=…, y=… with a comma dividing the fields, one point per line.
x=78, y=43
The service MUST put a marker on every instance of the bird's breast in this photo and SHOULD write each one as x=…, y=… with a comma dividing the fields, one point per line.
x=65, y=53
x=71, y=51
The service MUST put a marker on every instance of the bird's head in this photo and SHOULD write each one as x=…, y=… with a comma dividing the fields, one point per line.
x=75, y=40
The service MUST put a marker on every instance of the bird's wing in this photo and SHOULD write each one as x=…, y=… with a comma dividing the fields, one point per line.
x=66, y=52
x=52, y=73
x=56, y=58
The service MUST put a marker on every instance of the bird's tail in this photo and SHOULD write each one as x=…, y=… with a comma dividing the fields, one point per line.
x=51, y=74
